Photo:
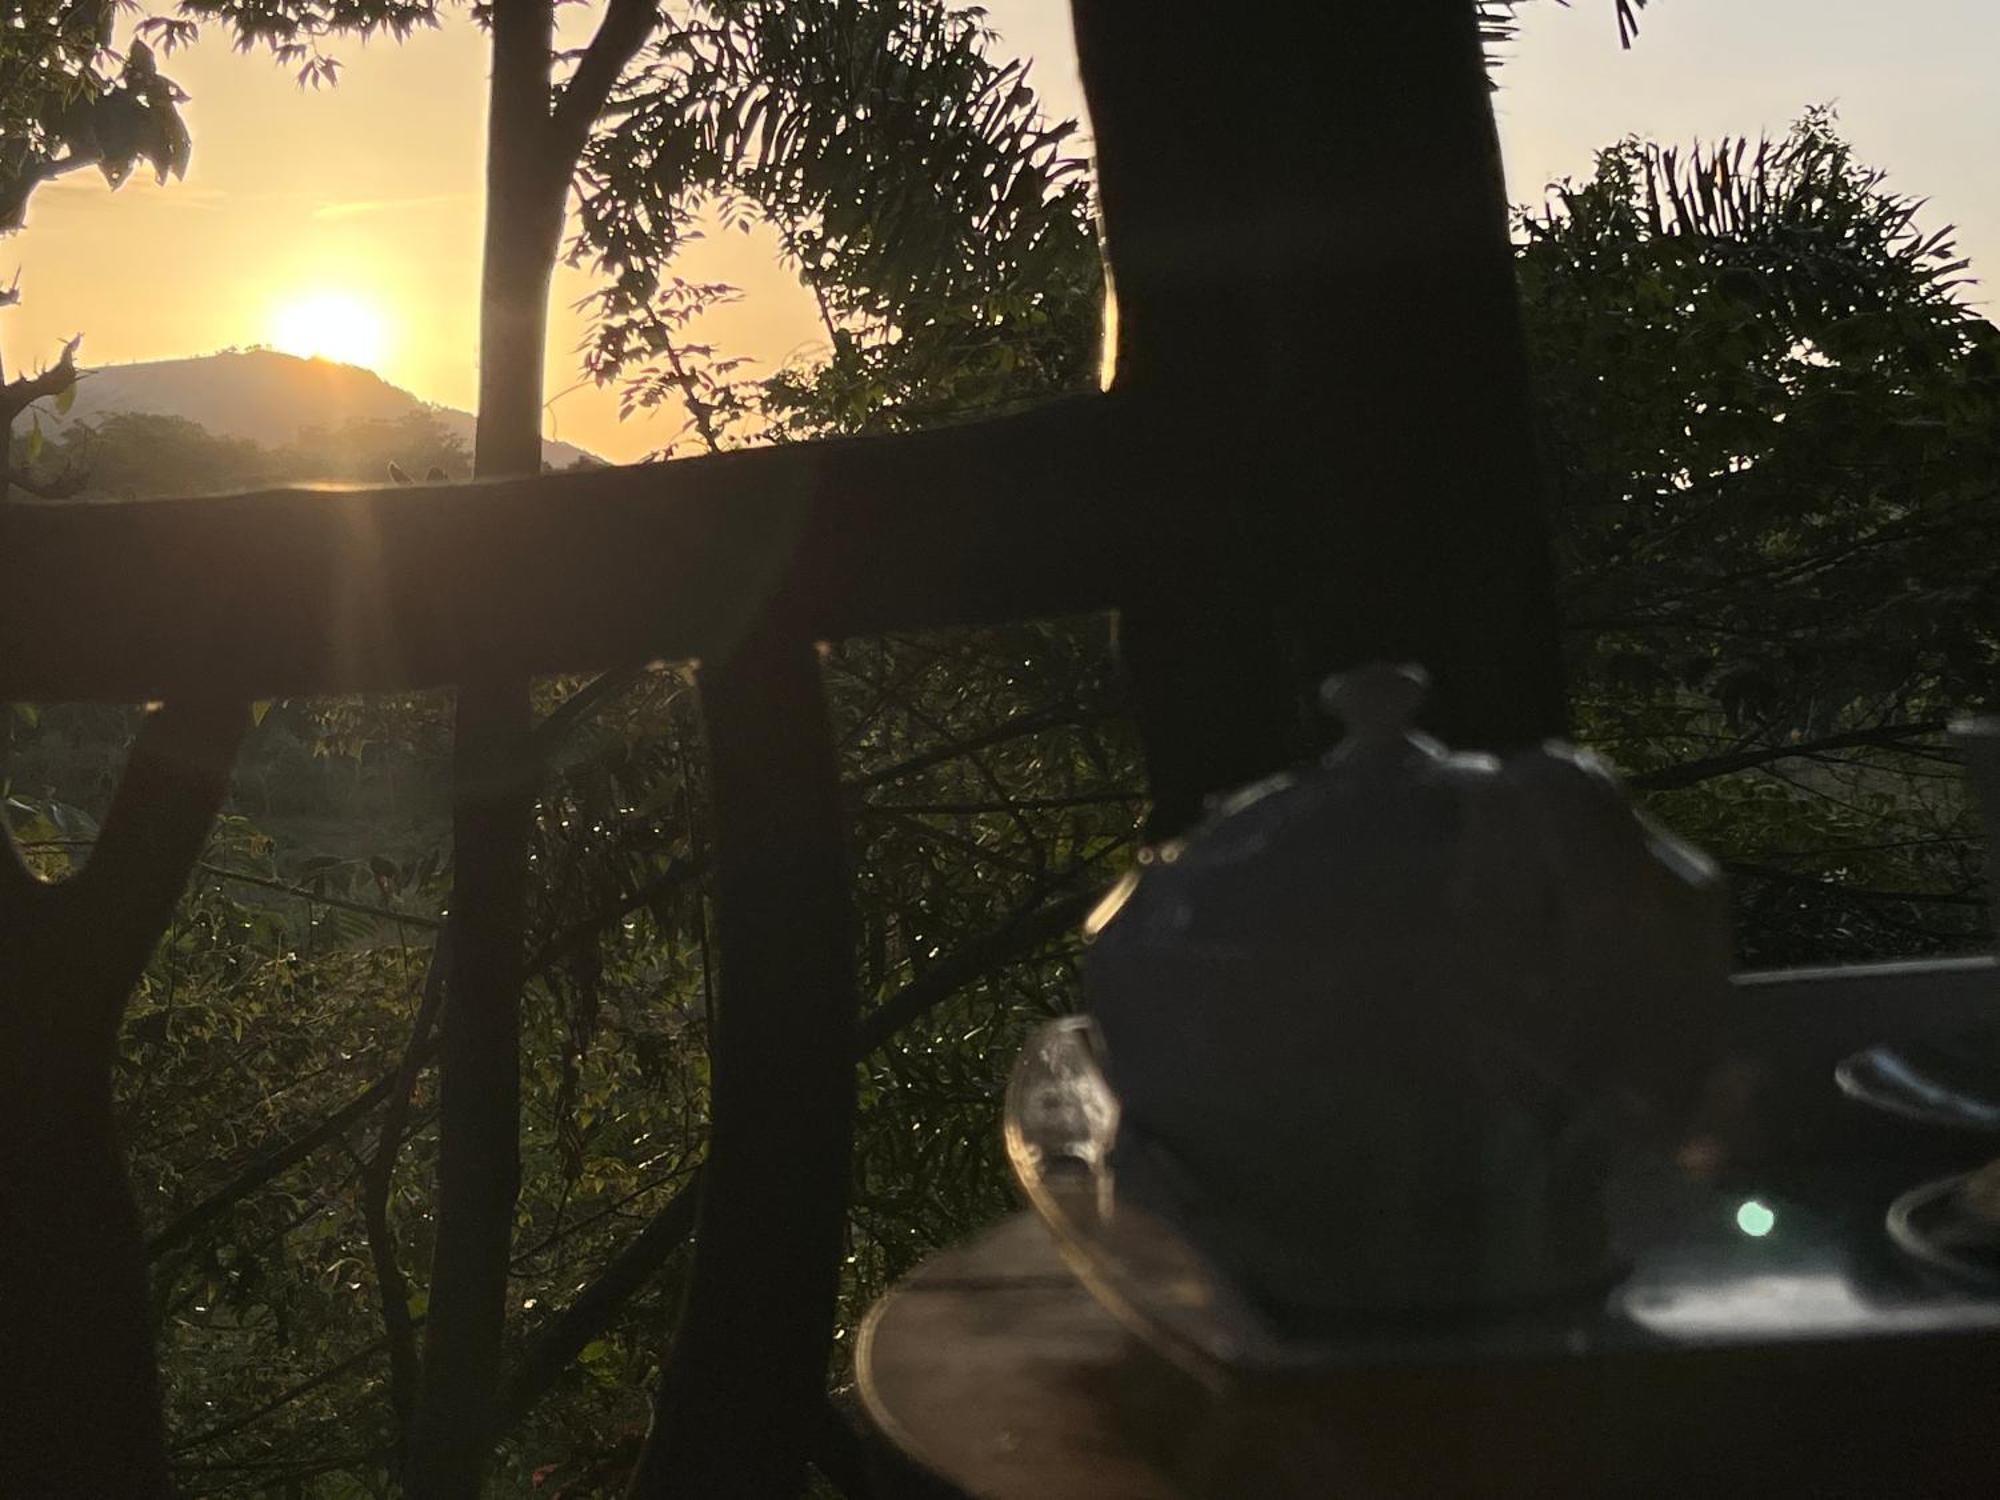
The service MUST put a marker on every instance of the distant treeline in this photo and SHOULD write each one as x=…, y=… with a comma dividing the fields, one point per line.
x=139, y=455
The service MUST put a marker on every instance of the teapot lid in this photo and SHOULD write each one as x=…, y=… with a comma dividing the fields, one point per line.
x=1376, y=823
x=1524, y=891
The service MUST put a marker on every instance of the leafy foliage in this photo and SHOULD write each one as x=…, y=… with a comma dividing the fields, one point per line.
x=68, y=101
x=294, y=30
x=1497, y=25
x=916, y=189
x=1774, y=425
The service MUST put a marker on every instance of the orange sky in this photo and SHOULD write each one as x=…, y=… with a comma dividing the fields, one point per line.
x=369, y=192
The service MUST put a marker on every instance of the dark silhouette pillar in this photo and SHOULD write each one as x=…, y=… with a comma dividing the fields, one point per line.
x=1305, y=220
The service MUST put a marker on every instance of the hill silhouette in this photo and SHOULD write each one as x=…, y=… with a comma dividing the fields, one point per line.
x=265, y=396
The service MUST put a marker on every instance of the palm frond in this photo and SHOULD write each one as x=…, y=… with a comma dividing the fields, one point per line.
x=1497, y=25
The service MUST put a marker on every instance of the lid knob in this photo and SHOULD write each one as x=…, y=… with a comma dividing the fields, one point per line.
x=1377, y=701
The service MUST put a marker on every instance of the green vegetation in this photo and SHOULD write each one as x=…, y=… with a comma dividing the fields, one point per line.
x=1774, y=424
x=1772, y=421
x=67, y=102
x=141, y=455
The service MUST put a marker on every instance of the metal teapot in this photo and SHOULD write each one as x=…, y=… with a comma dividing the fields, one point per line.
x=1378, y=1029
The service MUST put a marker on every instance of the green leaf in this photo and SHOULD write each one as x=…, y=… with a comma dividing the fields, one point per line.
x=65, y=399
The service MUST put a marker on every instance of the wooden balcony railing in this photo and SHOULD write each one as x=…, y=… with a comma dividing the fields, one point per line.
x=367, y=590
x=1318, y=449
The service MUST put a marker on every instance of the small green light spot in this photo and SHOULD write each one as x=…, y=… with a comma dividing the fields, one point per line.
x=1755, y=1220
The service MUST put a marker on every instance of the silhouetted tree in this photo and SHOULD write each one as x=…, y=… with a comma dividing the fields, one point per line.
x=1774, y=420
x=67, y=102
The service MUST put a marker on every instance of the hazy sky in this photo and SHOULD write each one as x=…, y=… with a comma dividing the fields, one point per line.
x=364, y=199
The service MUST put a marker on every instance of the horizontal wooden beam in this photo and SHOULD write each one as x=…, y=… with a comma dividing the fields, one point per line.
x=289, y=592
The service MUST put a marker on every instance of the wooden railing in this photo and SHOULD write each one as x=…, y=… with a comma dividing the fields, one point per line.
x=1318, y=450
x=367, y=590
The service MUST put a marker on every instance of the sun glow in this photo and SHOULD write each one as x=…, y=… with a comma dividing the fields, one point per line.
x=331, y=325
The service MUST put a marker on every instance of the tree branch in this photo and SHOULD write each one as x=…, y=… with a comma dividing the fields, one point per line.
x=1670, y=778
x=583, y=1223
x=1018, y=727
x=549, y=1352
x=580, y=705
x=283, y=1399
x=378, y=1175
x=679, y=871
x=264, y=882
x=1004, y=804
x=17, y=395
x=280, y=1158
x=559, y=1341
x=365, y=908
x=620, y=35
x=1024, y=931
x=276, y=1160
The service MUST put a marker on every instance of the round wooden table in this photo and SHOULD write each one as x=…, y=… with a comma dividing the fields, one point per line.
x=992, y=1366
x=1807, y=1361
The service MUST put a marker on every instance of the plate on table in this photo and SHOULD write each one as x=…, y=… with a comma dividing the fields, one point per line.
x=1953, y=1225
x=1061, y=1122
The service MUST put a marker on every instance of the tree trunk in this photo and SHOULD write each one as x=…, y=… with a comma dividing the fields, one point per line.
x=1316, y=302
x=79, y=1388
x=493, y=802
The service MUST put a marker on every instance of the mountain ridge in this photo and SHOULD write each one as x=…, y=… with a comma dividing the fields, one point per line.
x=265, y=395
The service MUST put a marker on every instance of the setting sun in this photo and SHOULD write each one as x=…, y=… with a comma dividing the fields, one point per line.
x=331, y=325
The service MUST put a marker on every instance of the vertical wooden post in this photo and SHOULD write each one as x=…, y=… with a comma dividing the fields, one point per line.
x=1306, y=225
x=479, y=1106
x=79, y=1392
x=745, y=1383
